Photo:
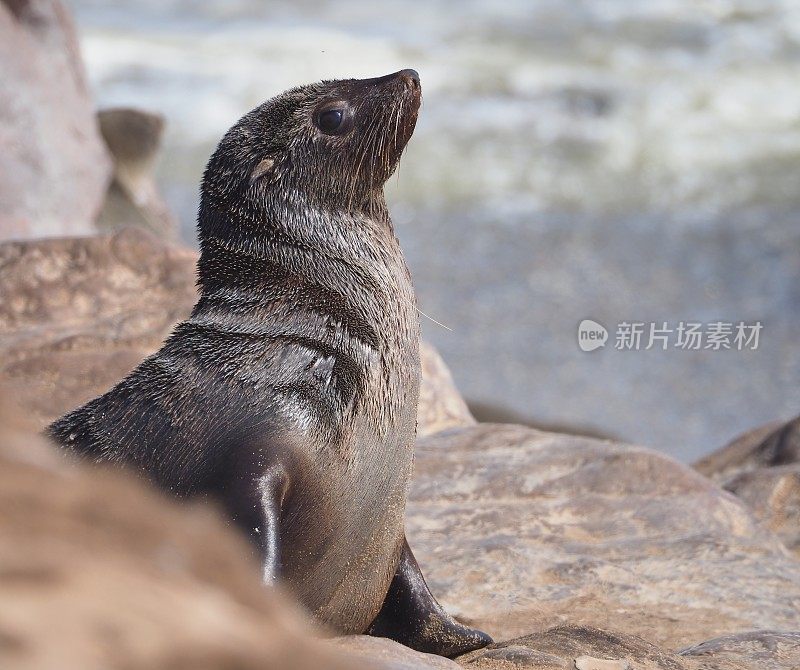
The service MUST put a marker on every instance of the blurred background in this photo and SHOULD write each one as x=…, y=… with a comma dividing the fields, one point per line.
x=603, y=159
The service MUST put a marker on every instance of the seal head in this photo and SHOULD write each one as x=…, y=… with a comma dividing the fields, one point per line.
x=332, y=144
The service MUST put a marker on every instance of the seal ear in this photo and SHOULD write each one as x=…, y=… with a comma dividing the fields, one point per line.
x=263, y=168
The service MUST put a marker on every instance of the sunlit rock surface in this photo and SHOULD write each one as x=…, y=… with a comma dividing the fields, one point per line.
x=518, y=530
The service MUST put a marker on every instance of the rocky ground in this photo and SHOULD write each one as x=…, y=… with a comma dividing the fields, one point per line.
x=573, y=552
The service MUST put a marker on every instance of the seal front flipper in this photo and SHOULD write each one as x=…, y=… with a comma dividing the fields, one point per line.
x=411, y=616
x=258, y=513
x=272, y=487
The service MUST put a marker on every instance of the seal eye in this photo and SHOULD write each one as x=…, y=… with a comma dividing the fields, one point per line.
x=334, y=121
x=330, y=121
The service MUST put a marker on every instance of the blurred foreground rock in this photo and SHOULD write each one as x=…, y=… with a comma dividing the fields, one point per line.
x=79, y=313
x=54, y=169
x=99, y=572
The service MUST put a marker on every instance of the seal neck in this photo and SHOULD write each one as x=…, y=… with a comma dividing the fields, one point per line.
x=290, y=252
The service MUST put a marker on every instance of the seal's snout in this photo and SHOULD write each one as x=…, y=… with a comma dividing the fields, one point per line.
x=411, y=79
x=410, y=75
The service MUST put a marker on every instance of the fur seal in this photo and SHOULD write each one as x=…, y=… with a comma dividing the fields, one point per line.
x=290, y=394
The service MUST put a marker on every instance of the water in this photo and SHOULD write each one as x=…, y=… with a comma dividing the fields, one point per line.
x=601, y=159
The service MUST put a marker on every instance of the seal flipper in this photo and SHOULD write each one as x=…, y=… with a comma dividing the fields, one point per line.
x=272, y=487
x=255, y=506
x=411, y=616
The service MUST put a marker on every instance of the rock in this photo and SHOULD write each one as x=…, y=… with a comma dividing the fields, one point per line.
x=572, y=647
x=440, y=404
x=391, y=654
x=99, y=572
x=54, y=169
x=762, y=467
x=773, y=444
x=773, y=494
x=79, y=313
x=134, y=139
x=489, y=413
x=519, y=530
x=758, y=650
x=591, y=663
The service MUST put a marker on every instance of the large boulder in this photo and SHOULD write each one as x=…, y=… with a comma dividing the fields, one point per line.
x=54, y=169
x=519, y=530
x=97, y=572
x=79, y=313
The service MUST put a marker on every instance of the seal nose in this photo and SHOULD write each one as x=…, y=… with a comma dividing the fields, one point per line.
x=413, y=75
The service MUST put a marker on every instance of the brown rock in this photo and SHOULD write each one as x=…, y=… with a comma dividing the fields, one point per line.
x=54, y=169
x=773, y=444
x=99, y=572
x=773, y=494
x=762, y=467
x=518, y=530
x=391, y=655
x=574, y=648
x=80, y=313
x=490, y=413
x=758, y=650
x=133, y=137
x=440, y=404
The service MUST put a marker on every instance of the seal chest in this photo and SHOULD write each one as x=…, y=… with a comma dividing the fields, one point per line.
x=290, y=393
